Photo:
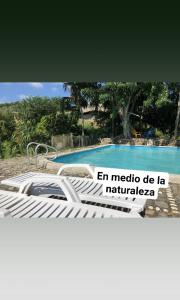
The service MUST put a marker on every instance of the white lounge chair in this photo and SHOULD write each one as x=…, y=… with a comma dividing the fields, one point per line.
x=88, y=190
x=19, y=205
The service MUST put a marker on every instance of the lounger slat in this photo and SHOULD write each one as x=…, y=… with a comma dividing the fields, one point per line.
x=29, y=209
x=10, y=202
x=66, y=211
x=87, y=187
x=5, y=200
x=23, y=209
x=72, y=179
x=44, y=184
x=98, y=190
x=75, y=180
x=25, y=176
x=90, y=213
x=3, y=197
x=48, y=211
x=16, y=181
x=15, y=204
x=39, y=212
x=84, y=183
x=74, y=212
x=98, y=214
x=80, y=186
x=35, y=211
x=18, y=205
x=58, y=211
x=89, y=210
x=95, y=189
x=34, y=206
x=77, y=183
x=82, y=213
x=91, y=187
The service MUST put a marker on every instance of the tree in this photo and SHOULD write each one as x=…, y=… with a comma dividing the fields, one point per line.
x=108, y=98
x=174, y=92
x=122, y=97
x=75, y=90
x=34, y=119
x=81, y=102
x=92, y=94
x=160, y=106
x=177, y=119
x=127, y=96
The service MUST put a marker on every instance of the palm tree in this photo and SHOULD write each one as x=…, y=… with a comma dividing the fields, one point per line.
x=75, y=89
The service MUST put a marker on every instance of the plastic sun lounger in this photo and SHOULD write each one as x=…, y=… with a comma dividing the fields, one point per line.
x=19, y=205
x=89, y=191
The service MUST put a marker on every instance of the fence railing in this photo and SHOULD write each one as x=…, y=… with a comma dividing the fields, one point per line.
x=70, y=140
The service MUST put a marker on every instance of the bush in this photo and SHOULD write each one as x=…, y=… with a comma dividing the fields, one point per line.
x=159, y=134
x=9, y=149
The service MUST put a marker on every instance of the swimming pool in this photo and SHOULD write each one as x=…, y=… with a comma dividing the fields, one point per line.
x=149, y=158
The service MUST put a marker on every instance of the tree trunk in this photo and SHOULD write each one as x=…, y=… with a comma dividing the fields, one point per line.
x=124, y=115
x=126, y=127
x=177, y=119
x=82, y=125
x=113, y=116
x=112, y=124
x=82, y=118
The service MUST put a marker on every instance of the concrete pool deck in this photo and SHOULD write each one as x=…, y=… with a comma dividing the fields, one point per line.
x=167, y=204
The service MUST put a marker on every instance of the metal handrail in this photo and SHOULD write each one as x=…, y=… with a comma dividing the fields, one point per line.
x=38, y=145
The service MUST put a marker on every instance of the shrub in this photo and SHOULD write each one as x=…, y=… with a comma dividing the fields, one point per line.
x=9, y=149
x=159, y=134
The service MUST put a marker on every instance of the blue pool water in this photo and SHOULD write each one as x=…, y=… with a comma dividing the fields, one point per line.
x=163, y=159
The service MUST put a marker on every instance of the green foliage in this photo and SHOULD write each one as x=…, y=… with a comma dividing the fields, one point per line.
x=96, y=131
x=92, y=95
x=41, y=129
x=8, y=149
x=118, y=107
x=159, y=134
x=34, y=119
x=158, y=95
x=159, y=110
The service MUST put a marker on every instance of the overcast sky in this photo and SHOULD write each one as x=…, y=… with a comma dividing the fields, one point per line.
x=13, y=91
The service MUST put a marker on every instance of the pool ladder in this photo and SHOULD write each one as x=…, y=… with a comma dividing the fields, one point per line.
x=36, y=155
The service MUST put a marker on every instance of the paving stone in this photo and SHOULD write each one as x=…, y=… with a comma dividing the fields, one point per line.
x=163, y=214
x=162, y=204
x=174, y=208
x=150, y=212
x=176, y=213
